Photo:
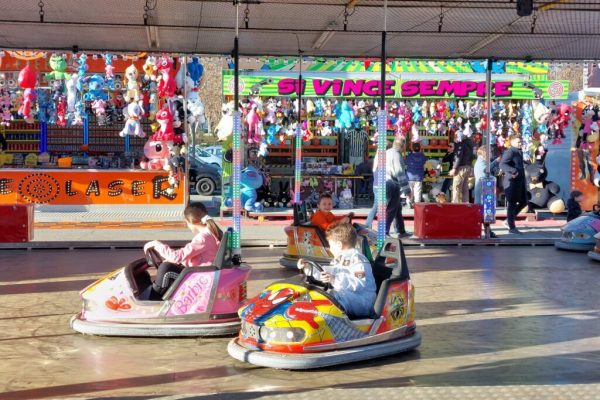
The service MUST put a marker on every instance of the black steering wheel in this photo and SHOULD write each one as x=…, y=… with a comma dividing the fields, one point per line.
x=153, y=258
x=308, y=274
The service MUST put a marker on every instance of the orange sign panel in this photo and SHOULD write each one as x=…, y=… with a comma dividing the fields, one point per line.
x=88, y=187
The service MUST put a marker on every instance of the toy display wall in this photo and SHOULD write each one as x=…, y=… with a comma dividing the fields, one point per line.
x=118, y=119
x=338, y=122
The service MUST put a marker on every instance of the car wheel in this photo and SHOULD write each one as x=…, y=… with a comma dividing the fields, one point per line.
x=205, y=186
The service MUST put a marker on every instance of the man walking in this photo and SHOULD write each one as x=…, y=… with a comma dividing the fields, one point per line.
x=462, y=168
x=513, y=182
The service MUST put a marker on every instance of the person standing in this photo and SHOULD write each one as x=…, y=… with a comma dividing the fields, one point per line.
x=513, y=182
x=415, y=169
x=448, y=158
x=479, y=171
x=396, y=183
x=462, y=168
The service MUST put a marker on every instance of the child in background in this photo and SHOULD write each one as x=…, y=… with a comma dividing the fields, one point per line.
x=350, y=273
x=574, y=205
x=323, y=217
x=201, y=251
x=415, y=169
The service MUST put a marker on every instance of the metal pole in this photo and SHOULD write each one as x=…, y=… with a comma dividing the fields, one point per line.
x=381, y=145
x=187, y=131
x=237, y=135
x=489, y=182
x=488, y=99
x=298, y=140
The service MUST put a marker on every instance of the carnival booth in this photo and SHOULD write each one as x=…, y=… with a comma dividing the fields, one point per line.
x=95, y=129
x=428, y=102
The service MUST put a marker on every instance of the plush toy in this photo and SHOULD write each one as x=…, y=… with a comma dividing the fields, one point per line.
x=5, y=107
x=27, y=78
x=225, y=126
x=344, y=115
x=150, y=68
x=541, y=113
x=157, y=153
x=165, y=119
x=252, y=120
x=131, y=82
x=71, y=85
x=561, y=122
x=541, y=193
x=95, y=88
x=195, y=70
x=440, y=109
x=133, y=113
x=194, y=104
x=61, y=111
x=251, y=179
x=166, y=85
x=109, y=71
x=59, y=66
x=283, y=196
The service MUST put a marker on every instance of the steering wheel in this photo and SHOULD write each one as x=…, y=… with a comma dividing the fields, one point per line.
x=153, y=258
x=309, y=277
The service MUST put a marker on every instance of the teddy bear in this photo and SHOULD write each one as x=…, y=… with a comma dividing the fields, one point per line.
x=133, y=113
x=541, y=192
x=95, y=89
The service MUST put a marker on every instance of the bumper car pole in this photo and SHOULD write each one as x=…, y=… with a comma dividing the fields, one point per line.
x=237, y=159
x=381, y=143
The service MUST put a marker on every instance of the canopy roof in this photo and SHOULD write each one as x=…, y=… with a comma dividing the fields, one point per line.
x=562, y=29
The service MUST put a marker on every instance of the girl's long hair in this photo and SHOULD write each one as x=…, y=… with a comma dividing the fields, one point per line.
x=194, y=213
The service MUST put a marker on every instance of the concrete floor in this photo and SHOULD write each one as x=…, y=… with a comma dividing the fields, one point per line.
x=489, y=316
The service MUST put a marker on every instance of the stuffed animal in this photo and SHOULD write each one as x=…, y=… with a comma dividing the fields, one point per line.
x=131, y=82
x=344, y=115
x=95, y=89
x=166, y=85
x=251, y=179
x=283, y=196
x=5, y=107
x=133, y=113
x=150, y=68
x=195, y=70
x=27, y=79
x=59, y=66
x=72, y=93
x=61, y=111
x=157, y=154
x=165, y=119
x=252, y=120
x=99, y=108
x=541, y=193
x=541, y=113
x=225, y=126
x=194, y=104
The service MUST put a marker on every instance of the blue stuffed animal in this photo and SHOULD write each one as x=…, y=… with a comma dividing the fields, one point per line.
x=251, y=180
x=195, y=70
x=95, y=89
x=345, y=117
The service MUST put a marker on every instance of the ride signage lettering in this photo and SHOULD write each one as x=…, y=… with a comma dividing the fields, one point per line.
x=58, y=187
x=337, y=87
x=441, y=88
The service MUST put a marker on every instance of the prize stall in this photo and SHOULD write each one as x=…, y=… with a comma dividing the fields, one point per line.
x=87, y=129
x=427, y=102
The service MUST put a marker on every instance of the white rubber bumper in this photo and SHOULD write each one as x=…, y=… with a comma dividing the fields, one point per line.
x=563, y=245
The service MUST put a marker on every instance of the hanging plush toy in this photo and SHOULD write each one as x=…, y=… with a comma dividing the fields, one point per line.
x=5, y=107
x=150, y=68
x=195, y=70
x=344, y=116
x=61, y=111
x=165, y=119
x=157, y=154
x=225, y=126
x=72, y=93
x=541, y=114
x=561, y=122
x=166, y=84
x=133, y=113
x=131, y=82
x=109, y=71
x=99, y=108
x=194, y=104
x=252, y=120
x=59, y=66
x=82, y=67
x=95, y=89
x=26, y=80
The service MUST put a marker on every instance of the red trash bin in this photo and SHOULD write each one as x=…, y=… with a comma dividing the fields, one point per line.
x=16, y=223
x=448, y=221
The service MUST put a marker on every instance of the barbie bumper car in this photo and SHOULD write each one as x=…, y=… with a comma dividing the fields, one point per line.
x=308, y=241
x=578, y=234
x=202, y=301
x=298, y=324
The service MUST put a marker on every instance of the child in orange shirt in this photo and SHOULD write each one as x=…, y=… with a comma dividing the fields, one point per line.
x=323, y=217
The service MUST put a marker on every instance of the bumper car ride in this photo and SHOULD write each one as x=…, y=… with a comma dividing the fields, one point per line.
x=202, y=301
x=308, y=241
x=578, y=234
x=299, y=324
x=594, y=254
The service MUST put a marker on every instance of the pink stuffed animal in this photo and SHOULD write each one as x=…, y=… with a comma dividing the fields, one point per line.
x=165, y=119
x=166, y=84
x=252, y=119
x=157, y=153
